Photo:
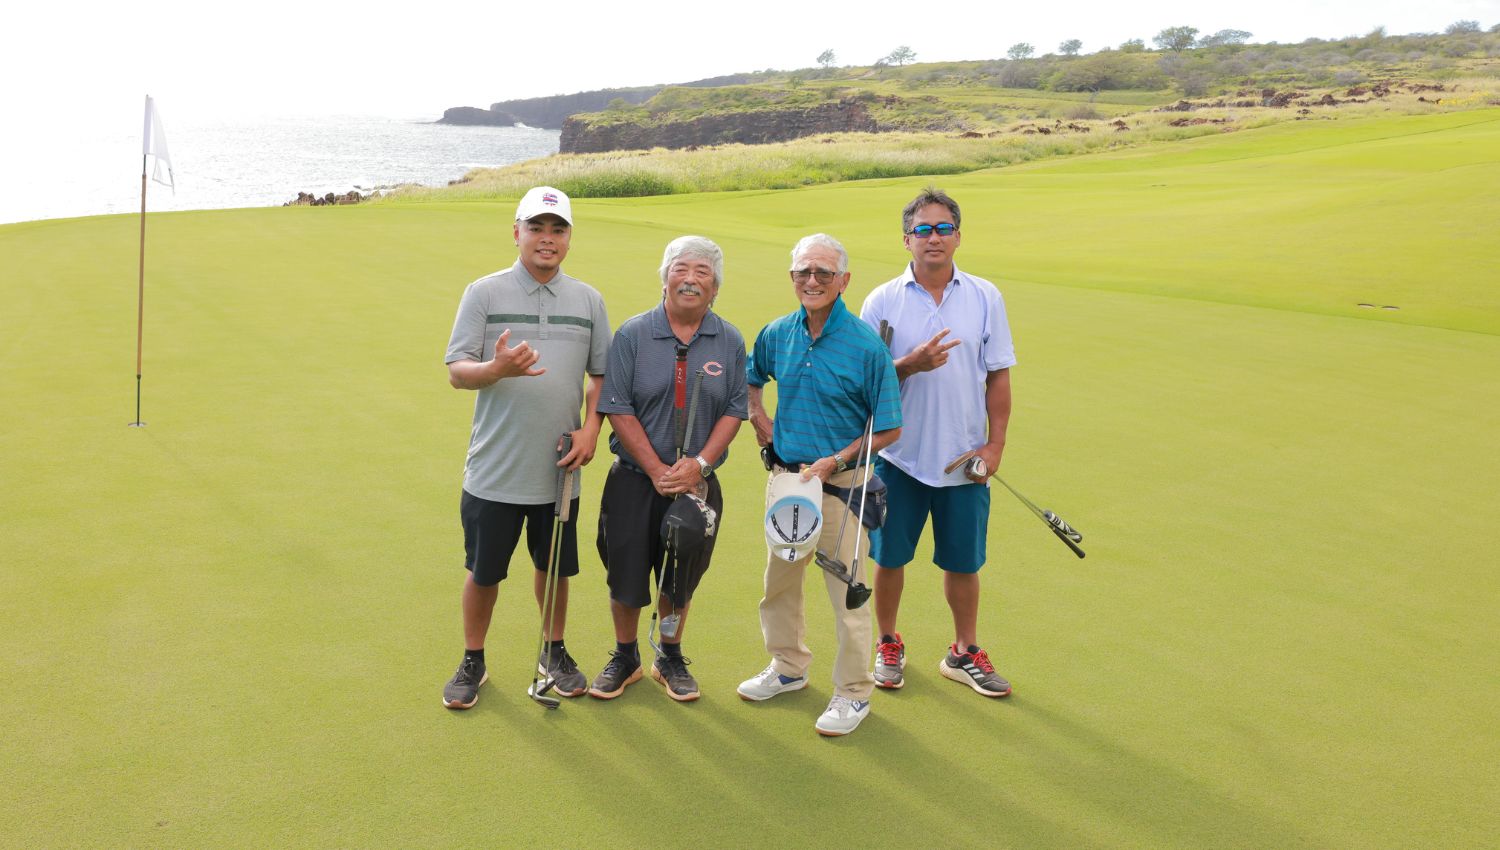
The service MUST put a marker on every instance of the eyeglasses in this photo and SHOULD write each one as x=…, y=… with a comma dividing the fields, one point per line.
x=922, y=231
x=823, y=275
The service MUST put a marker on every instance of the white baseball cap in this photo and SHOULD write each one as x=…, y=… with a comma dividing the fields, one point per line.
x=543, y=200
x=794, y=515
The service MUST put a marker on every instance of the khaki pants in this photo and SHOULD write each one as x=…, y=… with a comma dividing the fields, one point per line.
x=782, y=616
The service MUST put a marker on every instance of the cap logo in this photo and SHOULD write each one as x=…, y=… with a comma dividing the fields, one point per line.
x=549, y=199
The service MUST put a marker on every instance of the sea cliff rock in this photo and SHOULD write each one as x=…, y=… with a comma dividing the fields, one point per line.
x=750, y=127
x=469, y=116
x=550, y=112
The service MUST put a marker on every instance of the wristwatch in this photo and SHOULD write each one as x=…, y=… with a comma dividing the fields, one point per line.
x=705, y=468
x=839, y=464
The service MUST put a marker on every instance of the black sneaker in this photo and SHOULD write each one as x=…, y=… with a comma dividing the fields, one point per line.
x=567, y=680
x=671, y=671
x=462, y=691
x=619, y=672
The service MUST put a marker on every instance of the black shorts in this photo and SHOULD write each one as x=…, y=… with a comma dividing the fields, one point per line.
x=629, y=541
x=492, y=529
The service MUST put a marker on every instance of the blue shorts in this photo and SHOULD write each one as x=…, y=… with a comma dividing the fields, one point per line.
x=960, y=520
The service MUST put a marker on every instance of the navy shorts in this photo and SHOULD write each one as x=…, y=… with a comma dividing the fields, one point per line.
x=492, y=529
x=960, y=520
x=629, y=540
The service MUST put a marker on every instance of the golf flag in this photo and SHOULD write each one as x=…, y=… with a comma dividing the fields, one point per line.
x=154, y=143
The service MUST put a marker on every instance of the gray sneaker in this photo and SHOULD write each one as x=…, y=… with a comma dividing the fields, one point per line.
x=563, y=671
x=890, y=660
x=768, y=683
x=462, y=691
x=672, y=672
x=973, y=668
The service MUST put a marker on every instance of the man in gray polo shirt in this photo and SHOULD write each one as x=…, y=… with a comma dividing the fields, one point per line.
x=653, y=368
x=524, y=338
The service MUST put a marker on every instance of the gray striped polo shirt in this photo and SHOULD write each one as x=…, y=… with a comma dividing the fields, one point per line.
x=640, y=381
x=517, y=421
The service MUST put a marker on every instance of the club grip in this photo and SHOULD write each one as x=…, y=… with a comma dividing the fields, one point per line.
x=564, y=504
x=1067, y=540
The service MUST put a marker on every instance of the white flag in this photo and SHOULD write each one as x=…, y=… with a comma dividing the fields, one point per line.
x=154, y=143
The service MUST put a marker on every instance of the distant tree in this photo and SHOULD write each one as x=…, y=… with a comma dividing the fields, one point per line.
x=1070, y=47
x=902, y=55
x=794, y=81
x=1462, y=27
x=826, y=58
x=1376, y=34
x=1134, y=45
x=1020, y=50
x=1175, y=39
x=1495, y=28
x=1224, y=37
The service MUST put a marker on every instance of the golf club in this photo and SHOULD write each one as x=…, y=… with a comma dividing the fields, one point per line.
x=541, y=681
x=1056, y=524
x=683, y=420
x=858, y=593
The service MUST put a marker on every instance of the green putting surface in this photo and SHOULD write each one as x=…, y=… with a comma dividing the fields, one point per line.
x=232, y=627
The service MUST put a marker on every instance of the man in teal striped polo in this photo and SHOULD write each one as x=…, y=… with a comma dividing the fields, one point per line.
x=832, y=374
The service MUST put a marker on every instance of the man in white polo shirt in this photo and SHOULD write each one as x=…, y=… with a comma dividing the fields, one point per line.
x=953, y=355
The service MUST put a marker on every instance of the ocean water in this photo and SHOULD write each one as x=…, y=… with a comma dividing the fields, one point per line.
x=80, y=169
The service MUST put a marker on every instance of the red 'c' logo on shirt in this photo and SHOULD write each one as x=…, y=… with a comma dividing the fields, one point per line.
x=713, y=368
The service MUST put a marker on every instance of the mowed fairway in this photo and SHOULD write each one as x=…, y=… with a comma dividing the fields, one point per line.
x=231, y=627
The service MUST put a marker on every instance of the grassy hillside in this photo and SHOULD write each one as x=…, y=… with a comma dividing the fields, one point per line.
x=1045, y=129
x=230, y=628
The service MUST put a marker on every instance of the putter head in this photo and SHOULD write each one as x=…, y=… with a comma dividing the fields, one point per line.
x=856, y=596
x=831, y=565
x=538, y=693
x=669, y=625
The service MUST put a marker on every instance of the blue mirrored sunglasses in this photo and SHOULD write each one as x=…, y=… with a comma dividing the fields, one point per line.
x=926, y=230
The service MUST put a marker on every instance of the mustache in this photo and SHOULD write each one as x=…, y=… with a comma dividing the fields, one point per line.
x=689, y=289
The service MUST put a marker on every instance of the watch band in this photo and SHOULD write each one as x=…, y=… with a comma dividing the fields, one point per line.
x=839, y=464
x=705, y=468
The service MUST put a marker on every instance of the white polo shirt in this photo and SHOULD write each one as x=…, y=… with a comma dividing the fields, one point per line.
x=943, y=411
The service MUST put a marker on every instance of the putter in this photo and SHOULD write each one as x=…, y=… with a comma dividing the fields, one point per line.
x=1056, y=524
x=669, y=622
x=541, y=683
x=858, y=593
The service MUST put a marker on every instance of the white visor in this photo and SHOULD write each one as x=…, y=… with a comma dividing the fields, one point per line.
x=794, y=516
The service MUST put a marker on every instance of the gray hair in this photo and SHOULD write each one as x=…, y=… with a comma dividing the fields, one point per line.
x=695, y=247
x=825, y=241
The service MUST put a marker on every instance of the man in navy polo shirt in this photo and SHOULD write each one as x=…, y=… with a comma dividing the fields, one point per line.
x=832, y=374
x=953, y=355
x=639, y=397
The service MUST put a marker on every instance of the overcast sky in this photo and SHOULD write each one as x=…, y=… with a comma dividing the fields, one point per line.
x=412, y=60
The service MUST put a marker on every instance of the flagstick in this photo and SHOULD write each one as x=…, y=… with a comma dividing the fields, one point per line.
x=140, y=302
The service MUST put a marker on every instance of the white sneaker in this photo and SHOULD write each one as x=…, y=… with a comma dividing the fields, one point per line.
x=843, y=716
x=768, y=683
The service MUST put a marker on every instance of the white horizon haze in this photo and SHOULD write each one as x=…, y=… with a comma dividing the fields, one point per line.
x=280, y=58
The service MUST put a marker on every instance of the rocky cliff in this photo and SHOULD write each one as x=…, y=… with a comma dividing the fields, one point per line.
x=551, y=112
x=583, y=135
